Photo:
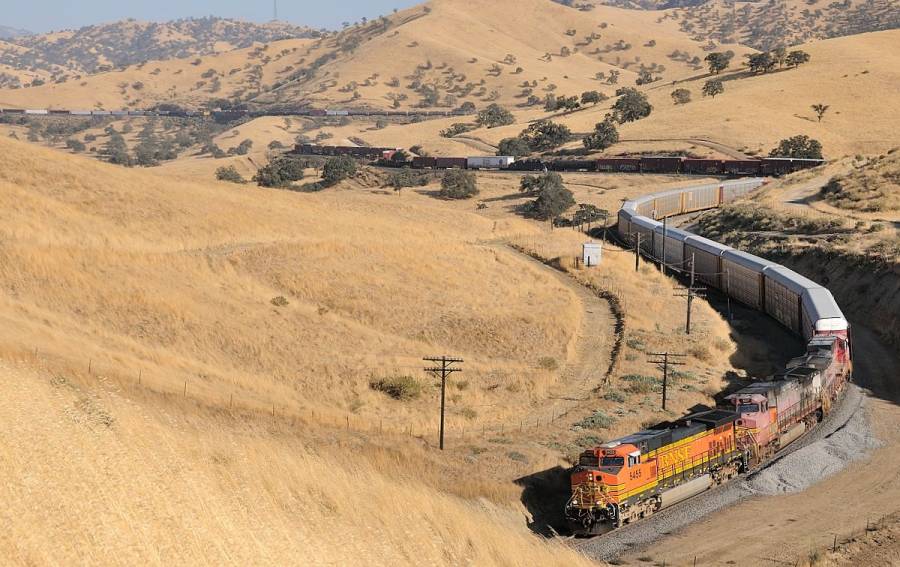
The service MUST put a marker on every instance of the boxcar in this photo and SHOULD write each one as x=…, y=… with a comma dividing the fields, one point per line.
x=628, y=165
x=668, y=243
x=784, y=296
x=702, y=198
x=661, y=164
x=666, y=204
x=572, y=165
x=489, y=162
x=741, y=167
x=450, y=163
x=735, y=189
x=646, y=228
x=705, y=257
x=822, y=315
x=702, y=166
x=424, y=162
x=527, y=165
x=744, y=278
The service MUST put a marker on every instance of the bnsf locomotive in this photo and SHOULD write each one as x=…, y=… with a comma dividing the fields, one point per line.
x=633, y=477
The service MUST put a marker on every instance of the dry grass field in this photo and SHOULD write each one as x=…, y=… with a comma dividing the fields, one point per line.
x=140, y=328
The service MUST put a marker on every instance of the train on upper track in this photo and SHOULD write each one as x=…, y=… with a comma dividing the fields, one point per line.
x=230, y=113
x=635, y=476
x=383, y=156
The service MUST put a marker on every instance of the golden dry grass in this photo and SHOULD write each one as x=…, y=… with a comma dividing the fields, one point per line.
x=89, y=476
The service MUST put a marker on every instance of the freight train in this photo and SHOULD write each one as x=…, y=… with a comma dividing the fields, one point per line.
x=635, y=476
x=233, y=114
x=770, y=166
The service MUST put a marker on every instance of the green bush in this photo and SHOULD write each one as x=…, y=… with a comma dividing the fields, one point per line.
x=337, y=169
x=597, y=420
x=401, y=388
x=230, y=174
x=458, y=184
x=614, y=396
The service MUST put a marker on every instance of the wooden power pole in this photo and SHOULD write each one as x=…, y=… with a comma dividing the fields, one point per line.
x=445, y=369
x=690, y=293
x=664, y=360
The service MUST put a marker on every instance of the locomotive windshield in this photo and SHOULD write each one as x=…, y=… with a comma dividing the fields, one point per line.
x=748, y=408
x=612, y=462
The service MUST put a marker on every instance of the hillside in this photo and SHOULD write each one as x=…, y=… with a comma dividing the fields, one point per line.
x=437, y=56
x=855, y=76
x=480, y=51
x=7, y=32
x=766, y=25
x=71, y=53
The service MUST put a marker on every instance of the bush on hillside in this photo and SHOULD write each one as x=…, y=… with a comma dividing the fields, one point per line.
x=604, y=135
x=229, y=173
x=632, y=105
x=553, y=198
x=798, y=147
x=494, y=116
x=402, y=388
x=337, y=169
x=458, y=184
x=280, y=172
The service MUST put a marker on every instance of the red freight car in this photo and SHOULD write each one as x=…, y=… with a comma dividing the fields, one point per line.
x=630, y=165
x=702, y=166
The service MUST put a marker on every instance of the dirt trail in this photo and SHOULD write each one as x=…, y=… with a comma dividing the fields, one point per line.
x=586, y=369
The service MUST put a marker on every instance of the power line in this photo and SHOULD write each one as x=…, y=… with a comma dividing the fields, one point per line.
x=445, y=369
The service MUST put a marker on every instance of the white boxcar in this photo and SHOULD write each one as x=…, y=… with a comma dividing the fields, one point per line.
x=80, y=113
x=734, y=190
x=744, y=279
x=702, y=198
x=37, y=111
x=706, y=256
x=784, y=296
x=489, y=162
x=646, y=228
x=674, y=246
x=821, y=313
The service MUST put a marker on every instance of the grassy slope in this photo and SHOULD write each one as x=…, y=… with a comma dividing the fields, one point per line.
x=856, y=76
x=92, y=477
x=453, y=33
x=374, y=282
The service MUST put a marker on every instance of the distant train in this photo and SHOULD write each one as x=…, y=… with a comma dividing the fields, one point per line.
x=232, y=114
x=771, y=166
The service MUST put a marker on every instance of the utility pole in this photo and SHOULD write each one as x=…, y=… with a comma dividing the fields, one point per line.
x=663, y=358
x=690, y=293
x=445, y=369
x=637, y=253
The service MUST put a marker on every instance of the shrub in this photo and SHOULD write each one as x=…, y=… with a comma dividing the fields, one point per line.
x=337, y=169
x=406, y=177
x=640, y=384
x=681, y=96
x=712, y=88
x=516, y=147
x=632, y=105
x=545, y=135
x=280, y=172
x=553, y=197
x=614, y=396
x=458, y=184
x=279, y=301
x=75, y=145
x=604, y=135
x=495, y=115
x=401, y=388
x=597, y=420
x=548, y=363
x=456, y=129
x=798, y=147
x=229, y=173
